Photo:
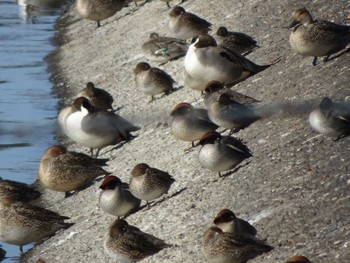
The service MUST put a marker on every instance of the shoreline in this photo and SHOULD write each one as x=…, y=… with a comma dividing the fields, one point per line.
x=294, y=194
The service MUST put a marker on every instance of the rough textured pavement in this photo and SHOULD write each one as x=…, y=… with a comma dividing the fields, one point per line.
x=295, y=189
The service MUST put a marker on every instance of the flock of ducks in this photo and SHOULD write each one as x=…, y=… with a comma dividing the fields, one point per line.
x=212, y=65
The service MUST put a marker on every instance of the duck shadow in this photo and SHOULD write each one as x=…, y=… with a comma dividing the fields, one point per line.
x=234, y=170
x=338, y=55
x=154, y=203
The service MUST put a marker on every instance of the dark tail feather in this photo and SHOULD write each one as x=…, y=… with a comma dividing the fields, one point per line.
x=260, y=68
x=101, y=162
x=67, y=225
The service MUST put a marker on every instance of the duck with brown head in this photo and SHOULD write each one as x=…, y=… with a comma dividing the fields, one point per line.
x=317, y=38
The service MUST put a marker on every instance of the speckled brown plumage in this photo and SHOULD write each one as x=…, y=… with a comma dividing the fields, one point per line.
x=22, y=223
x=98, y=10
x=317, y=38
x=148, y=183
x=187, y=25
x=127, y=243
x=236, y=41
x=65, y=171
x=220, y=247
x=18, y=191
x=99, y=98
x=152, y=81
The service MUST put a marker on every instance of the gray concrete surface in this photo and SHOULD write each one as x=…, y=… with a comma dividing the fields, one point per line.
x=295, y=190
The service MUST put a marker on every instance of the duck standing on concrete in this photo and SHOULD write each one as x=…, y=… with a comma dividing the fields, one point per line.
x=98, y=10
x=94, y=129
x=317, y=38
x=227, y=221
x=230, y=114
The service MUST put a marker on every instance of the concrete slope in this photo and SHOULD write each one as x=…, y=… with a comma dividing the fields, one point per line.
x=295, y=190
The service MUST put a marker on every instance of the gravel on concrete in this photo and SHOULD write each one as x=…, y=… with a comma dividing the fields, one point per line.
x=295, y=189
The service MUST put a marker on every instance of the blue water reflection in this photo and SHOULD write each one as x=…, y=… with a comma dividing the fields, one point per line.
x=27, y=107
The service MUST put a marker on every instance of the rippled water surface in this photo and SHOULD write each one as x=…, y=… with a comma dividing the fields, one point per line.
x=27, y=107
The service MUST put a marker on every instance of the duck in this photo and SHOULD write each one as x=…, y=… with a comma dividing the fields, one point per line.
x=149, y=183
x=152, y=81
x=98, y=10
x=186, y=25
x=214, y=89
x=221, y=153
x=223, y=247
x=189, y=123
x=65, y=171
x=95, y=129
x=127, y=243
x=228, y=222
x=317, y=38
x=22, y=223
x=116, y=198
x=236, y=41
x=331, y=119
x=99, y=98
x=162, y=49
x=18, y=191
x=206, y=61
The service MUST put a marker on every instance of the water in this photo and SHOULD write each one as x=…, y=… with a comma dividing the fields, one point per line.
x=27, y=107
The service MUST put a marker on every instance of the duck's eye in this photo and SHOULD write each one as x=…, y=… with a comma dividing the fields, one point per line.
x=194, y=40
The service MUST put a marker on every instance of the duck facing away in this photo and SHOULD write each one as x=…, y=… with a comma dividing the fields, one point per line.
x=64, y=171
x=98, y=10
x=22, y=223
x=99, y=98
x=236, y=41
x=187, y=25
x=149, y=183
x=127, y=244
x=220, y=247
x=317, y=38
